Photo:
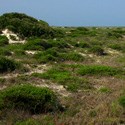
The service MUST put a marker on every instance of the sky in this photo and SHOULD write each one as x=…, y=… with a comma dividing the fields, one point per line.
x=70, y=12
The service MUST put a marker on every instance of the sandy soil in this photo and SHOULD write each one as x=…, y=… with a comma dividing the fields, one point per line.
x=8, y=33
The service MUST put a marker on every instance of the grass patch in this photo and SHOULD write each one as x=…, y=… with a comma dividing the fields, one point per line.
x=104, y=90
x=66, y=78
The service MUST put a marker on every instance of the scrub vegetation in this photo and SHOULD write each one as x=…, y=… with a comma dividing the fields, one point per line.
x=60, y=75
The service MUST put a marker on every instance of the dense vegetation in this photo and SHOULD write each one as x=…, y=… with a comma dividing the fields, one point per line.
x=26, y=26
x=60, y=75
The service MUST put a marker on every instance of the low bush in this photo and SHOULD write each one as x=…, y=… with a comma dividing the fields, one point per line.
x=81, y=44
x=116, y=46
x=122, y=101
x=58, y=43
x=37, y=44
x=30, y=98
x=7, y=65
x=99, y=70
x=3, y=40
x=5, y=52
x=56, y=74
x=104, y=90
x=47, y=56
x=72, y=56
x=114, y=35
x=97, y=50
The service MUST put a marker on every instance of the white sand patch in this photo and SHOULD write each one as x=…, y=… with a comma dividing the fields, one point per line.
x=82, y=54
x=112, y=52
x=68, y=32
x=91, y=55
x=70, y=45
x=8, y=34
x=38, y=69
x=3, y=87
x=31, y=52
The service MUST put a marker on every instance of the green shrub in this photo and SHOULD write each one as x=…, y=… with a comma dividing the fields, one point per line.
x=81, y=44
x=84, y=45
x=37, y=44
x=59, y=43
x=29, y=98
x=104, y=90
x=28, y=122
x=3, y=40
x=47, y=56
x=114, y=35
x=56, y=74
x=13, y=37
x=116, y=46
x=72, y=56
x=97, y=50
x=19, y=52
x=122, y=101
x=93, y=113
x=5, y=52
x=7, y=65
x=99, y=70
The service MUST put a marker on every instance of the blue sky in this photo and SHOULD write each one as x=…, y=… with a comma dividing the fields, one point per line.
x=70, y=12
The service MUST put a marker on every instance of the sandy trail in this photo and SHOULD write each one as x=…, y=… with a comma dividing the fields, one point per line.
x=39, y=69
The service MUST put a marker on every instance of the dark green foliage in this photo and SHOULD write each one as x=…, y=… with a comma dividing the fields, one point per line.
x=82, y=29
x=3, y=40
x=98, y=50
x=116, y=46
x=53, y=54
x=115, y=34
x=81, y=44
x=25, y=26
x=122, y=101
x=93, y=113
x=0, y=31
x=37, y=44
x=5, y=52
x=12, y=37
x=59, y=43
x=29, y=98
x=28, y=122
x=99, y=70
x=7, y=65
x=47, y=56
x=72, y=57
